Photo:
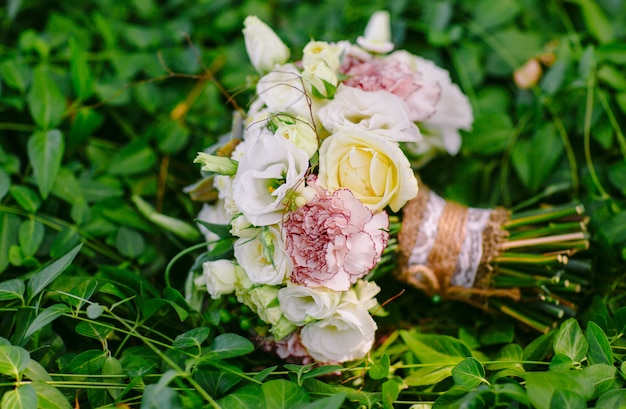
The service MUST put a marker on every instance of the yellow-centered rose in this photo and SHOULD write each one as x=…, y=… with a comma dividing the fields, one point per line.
x=372, y=167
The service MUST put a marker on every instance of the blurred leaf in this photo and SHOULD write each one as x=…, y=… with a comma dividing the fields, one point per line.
x=570, y=341
x=45, y=100
x=22, y=397
x=36, y=372
x=180, y=228
x=49, y=397
x=246, y=397
x=490, y=134
x=5, y=183
x=515, y=47
x=94, y=310
x=45, y=317
x=15, y=73
x=542, y=386
x=567, y=400
x=87, y=362
x=554, y=77
x=136, y=157
x=380, y=369
x=283, y=394
x=45, y=152
x=600, y=351
x=25, y=197
x=545, y=148
x=129, y=242
x=93, y=330
x=13, y=360
x=192, y=338
x=561, y=363
x=390, y=392
x=602, y=377
x=614, y=52
x=171, y=136
x=64, y=241
x=598, y=24
x=40, y=280
x=30, y=236
x=82, y=80
x=492, y=13
x=612, y=399
x=469, y=373
x=84, y=123
x=9, y=227
x=111, y=367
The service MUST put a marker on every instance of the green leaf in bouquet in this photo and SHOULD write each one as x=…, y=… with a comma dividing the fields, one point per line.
x=110, y=369
x=451, y=398
x=76, y=291
x=602, y=377
x=45, y=100
x=598, y=24
x=41, y=279
x=600, y=351
x=49, y=397
x=469, y=373
x=561, y=363
x=22, y=397
x=263, y=374
x=136, y=157
x=178, y=227
x=147, y=96
x=12, y=290
x=491, y=13
x=192, y=338
x=617, y=175
x=228, y=345
x=500, y=332
x=570, y=341
x=217, y=382
x=5, y=183
x=509, y=358
x=151, y=306
x=615, y=398
x=9, y=226
x=390, y=393
x=85, y=122
x=45, y=153
x=65, y=240
x=555, y=77
x=129, y=242
x=246, y=397
x=86, y=363
x=329, y=402
x=82, y=80
x=541, y=386
x=490, y=134
x=25, y=197
x=567, y=399
x=36, y=372
x=13, y=360
x=546, y=148
x=93, y=330
x=171, y=137
x=380, y=369
x=283, y=394
x=619, y=320
x=45, y=317
x=514, y=48
x=15, y=73
x=30, y=236
x=160, y=397
x=539, y=348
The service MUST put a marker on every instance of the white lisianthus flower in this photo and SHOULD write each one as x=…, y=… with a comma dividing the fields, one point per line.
x=263, y=300
x=241, y=227
x=377, y=36
x=454, y=111
x=224, y=186
x=265, y=180
x=380, y=112
x=373, y=168
x=263, y=257
x=214, y=214
x=216, y=164
x=346, y=335
x=265, y=49
x=219, y=277
x=316, y=51
x=365, y=292
x=301, y=304
x=299, y=131
x=282, y=91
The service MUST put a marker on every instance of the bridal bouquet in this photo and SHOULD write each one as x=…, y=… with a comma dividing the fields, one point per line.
x=309, y=178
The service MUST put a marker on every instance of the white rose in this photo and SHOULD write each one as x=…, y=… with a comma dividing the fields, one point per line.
x=346, y=335
x=219, y=277
x=282, y=91
x=301, y=304
x=264, y=48
x=373, y=168
x=263, y=257
x=454, y=111
x=377, y=36
x=380, y=112
x=299, y=131
x=321, y=51
x=265, y=178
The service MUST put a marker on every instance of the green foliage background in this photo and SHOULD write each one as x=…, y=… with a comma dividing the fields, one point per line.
x=103, y=106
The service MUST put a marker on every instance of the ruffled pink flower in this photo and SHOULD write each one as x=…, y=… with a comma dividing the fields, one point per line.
x=334, y=240
x=291, y=349
x=397, y=78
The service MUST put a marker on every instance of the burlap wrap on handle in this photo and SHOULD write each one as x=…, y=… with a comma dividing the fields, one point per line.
x=446, y=248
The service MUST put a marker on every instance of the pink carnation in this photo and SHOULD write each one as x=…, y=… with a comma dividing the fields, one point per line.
x=397, y=78
x=334, y=240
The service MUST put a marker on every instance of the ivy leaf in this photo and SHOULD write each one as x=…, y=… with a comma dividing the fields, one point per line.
x=380, y=369
x=283, y=394
x=13, y=360
x=45, y=152
x=469, y=373
x=47, y=274
x=229, y=345
x=570, y=341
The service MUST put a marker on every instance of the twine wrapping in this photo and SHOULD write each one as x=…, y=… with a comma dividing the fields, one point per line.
x=446, y=248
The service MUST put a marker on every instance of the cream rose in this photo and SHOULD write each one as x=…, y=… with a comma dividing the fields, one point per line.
x=219, y=277
x=346, y=335
x=299, y=131
x=263, y=257
x=282, y=91
x=265, y=49
x=380, y=112
x=373, y=168
x=274, y=169
x=316, y=51
x=301, y=304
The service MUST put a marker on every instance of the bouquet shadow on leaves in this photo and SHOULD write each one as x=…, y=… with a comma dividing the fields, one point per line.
x=314, y=195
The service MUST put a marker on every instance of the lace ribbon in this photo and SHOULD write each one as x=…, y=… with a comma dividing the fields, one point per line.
x=446, y=248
